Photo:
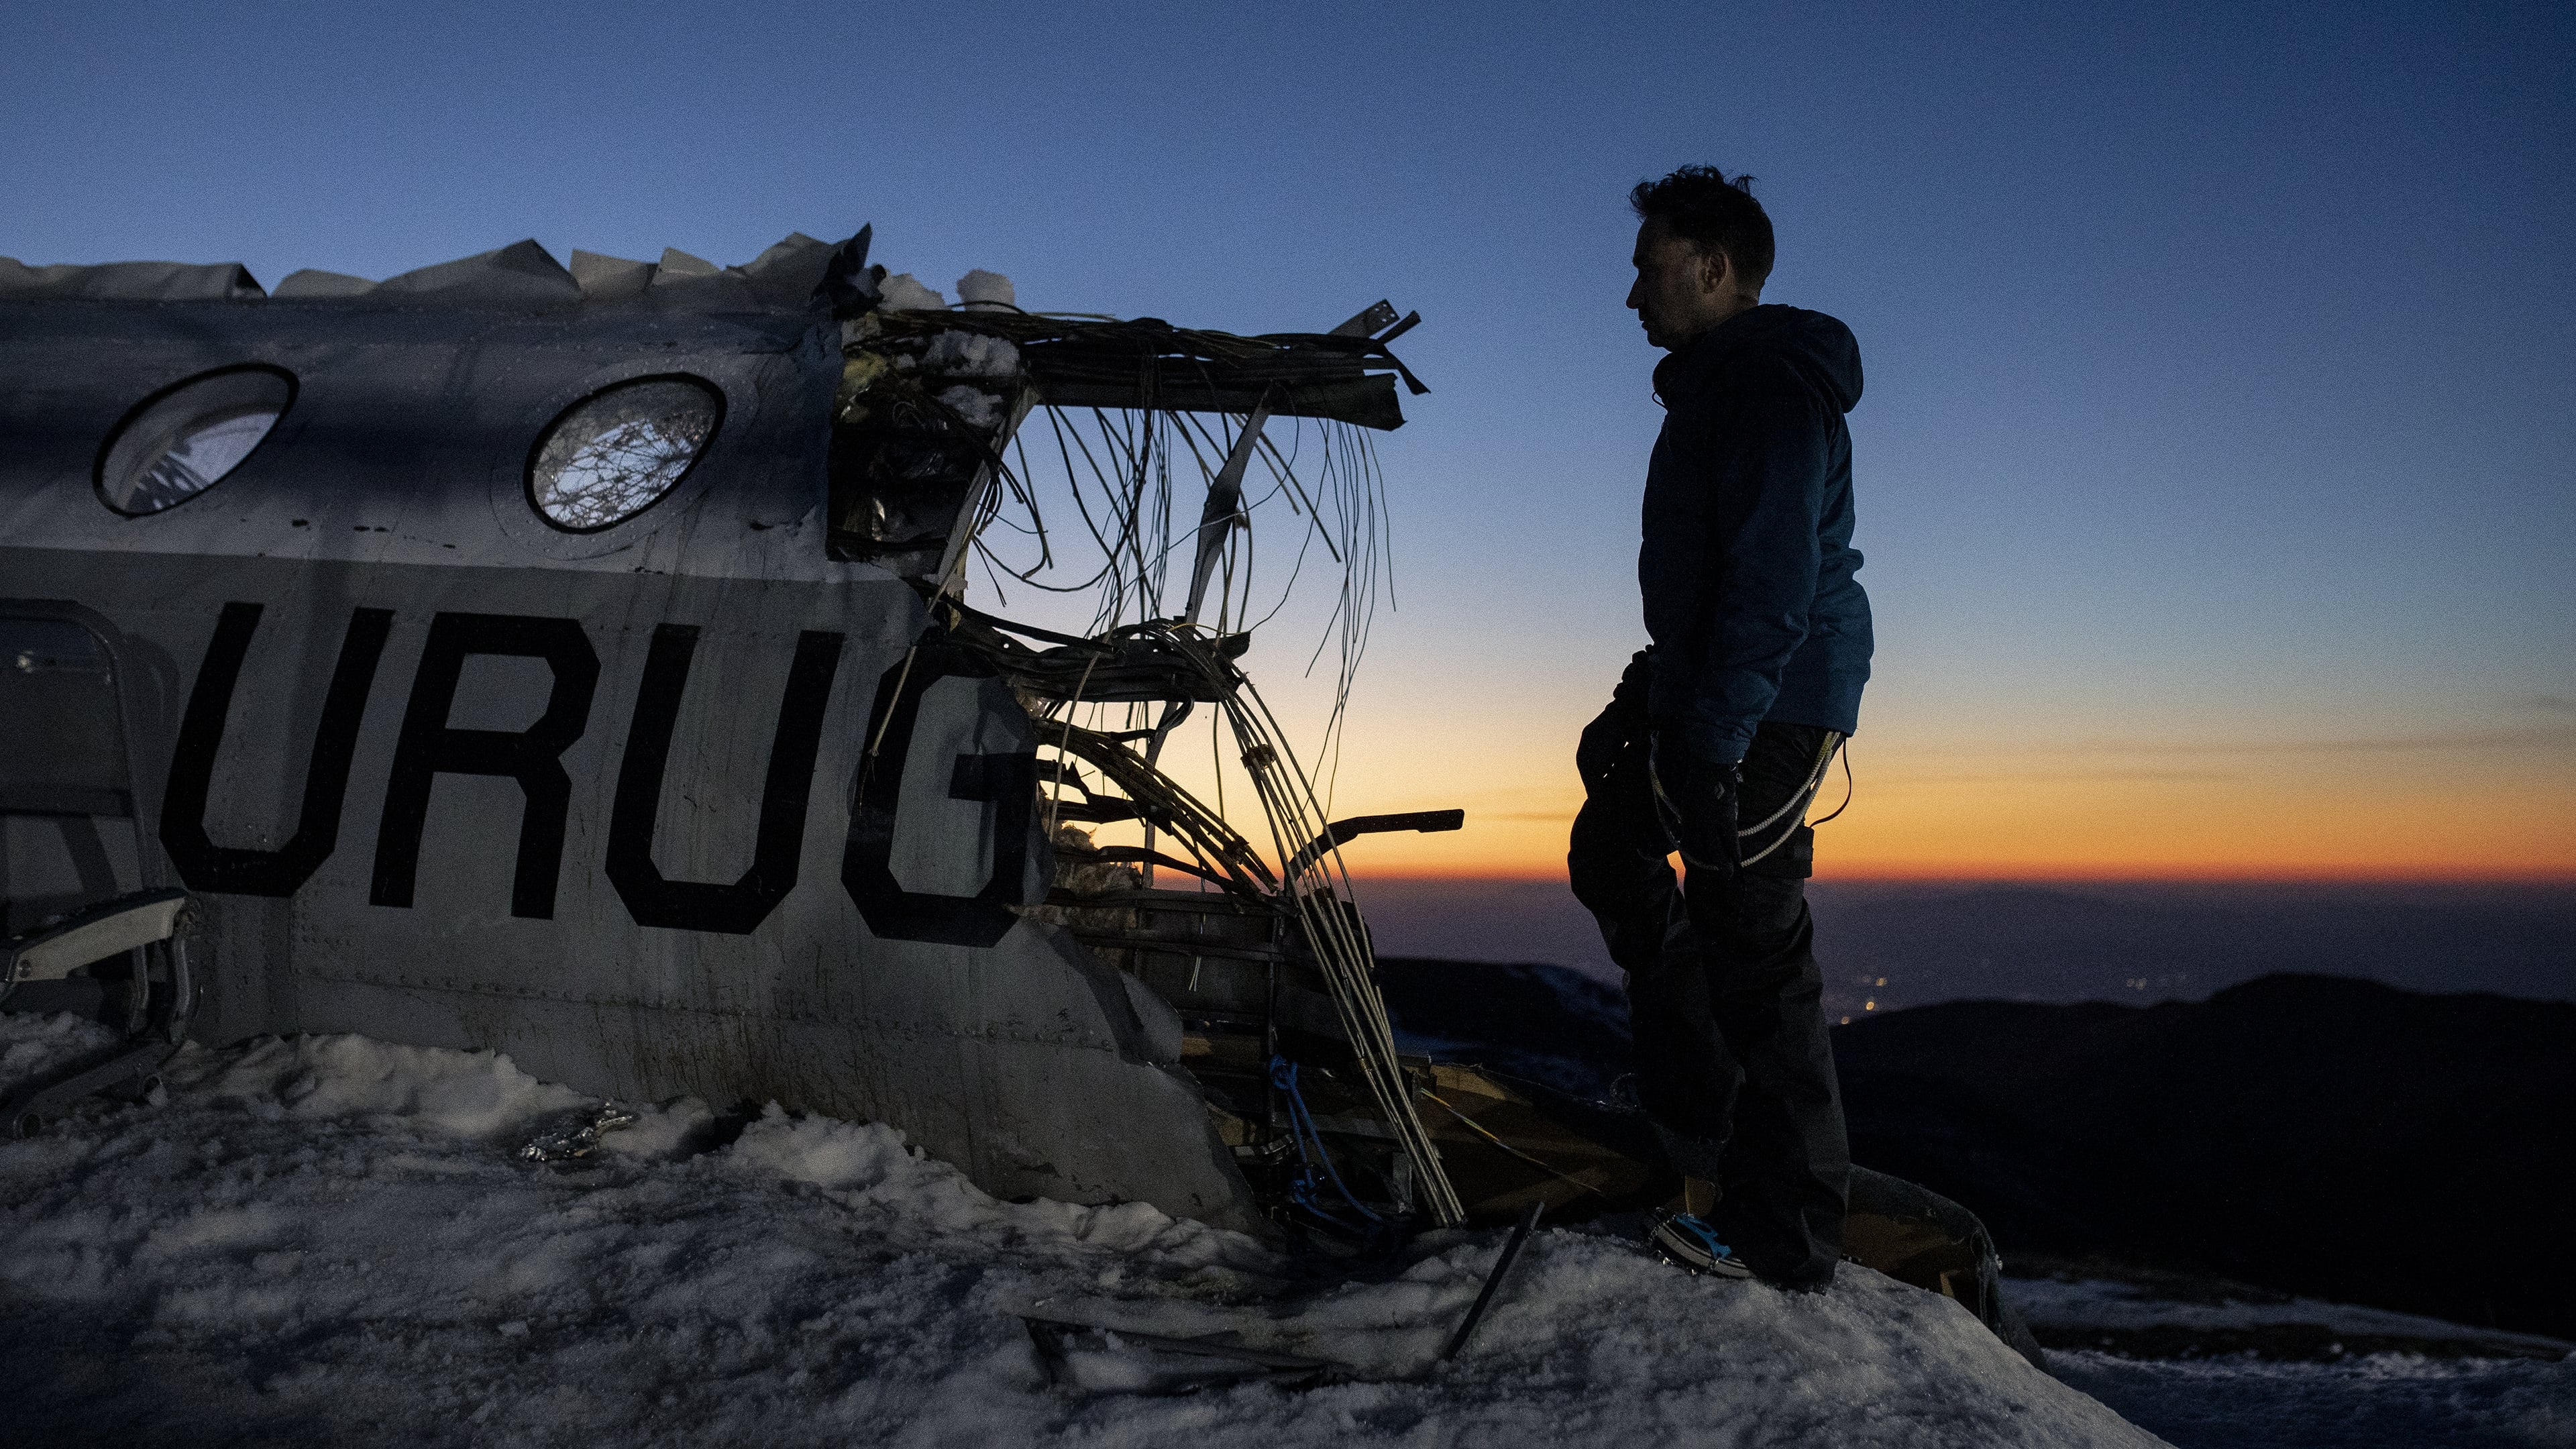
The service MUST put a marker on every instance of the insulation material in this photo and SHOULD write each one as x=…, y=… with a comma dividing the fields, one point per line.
x=904, y=293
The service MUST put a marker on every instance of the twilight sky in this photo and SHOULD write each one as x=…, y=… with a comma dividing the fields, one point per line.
x=2216, y=473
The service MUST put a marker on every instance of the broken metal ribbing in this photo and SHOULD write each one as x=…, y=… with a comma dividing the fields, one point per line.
x=1318, y=892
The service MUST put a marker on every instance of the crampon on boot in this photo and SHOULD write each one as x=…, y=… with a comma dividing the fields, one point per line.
x=1687, y=1241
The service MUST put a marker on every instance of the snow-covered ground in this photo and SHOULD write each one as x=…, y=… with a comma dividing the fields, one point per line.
x=2219, y=1366
x=2121, y=1310
x=2377, y=1401
x=328, y=1240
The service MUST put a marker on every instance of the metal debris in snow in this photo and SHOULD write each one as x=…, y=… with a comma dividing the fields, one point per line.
x=578, y=1139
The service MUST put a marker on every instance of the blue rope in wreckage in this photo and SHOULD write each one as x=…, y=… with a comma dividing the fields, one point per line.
x=1303, y=1187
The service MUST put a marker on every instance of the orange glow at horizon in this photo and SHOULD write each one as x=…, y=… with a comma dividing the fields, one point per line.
x=2257, y=816
x=2215, y=795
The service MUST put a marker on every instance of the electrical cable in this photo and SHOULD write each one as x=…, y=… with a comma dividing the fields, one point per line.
x=1302, y=1129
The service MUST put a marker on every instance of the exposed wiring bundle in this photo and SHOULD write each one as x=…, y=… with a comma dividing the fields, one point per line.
x=933, y=468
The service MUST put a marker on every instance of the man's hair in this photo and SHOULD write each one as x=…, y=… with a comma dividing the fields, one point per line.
x=1705, y=206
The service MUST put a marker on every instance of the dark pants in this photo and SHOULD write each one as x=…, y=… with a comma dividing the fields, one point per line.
x=1727, y=1006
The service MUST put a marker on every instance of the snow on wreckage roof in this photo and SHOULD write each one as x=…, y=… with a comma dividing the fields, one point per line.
x=1071, y=362
x=520, y=276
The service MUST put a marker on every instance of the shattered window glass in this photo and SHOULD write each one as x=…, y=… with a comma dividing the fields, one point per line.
x=186, y=440
x=616, y=454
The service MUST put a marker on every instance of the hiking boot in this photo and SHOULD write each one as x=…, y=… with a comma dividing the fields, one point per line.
x=1687, y=1241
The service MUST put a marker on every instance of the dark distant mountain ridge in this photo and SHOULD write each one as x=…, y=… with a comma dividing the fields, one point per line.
x=1904, y=945
x=2144, y=944
x=2311, y=1134
x=1548, y=1024
x=2308, y=1133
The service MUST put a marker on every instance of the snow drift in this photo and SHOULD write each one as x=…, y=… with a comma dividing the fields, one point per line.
x=327, y=1237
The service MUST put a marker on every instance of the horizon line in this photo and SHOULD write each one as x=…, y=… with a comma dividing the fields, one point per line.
x=2066, y=876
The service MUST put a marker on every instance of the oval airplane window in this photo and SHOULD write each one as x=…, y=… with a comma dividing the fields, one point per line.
x=184, y=439
x=616, y=453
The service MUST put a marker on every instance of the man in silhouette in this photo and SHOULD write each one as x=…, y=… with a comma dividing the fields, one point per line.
x=1720, y=733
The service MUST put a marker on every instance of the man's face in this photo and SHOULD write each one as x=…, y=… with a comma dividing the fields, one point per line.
x=1681, y=291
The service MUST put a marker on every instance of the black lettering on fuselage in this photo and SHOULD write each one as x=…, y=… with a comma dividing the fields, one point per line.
x=737, y=908
x=206, y=866
x=1008, y=781
x=428, y=748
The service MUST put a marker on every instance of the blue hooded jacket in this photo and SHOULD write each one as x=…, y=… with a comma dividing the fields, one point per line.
x=1747, y=566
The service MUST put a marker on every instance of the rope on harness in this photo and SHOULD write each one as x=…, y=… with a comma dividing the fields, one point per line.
x=1798, y=802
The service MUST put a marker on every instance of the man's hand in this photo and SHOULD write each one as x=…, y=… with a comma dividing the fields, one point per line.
x=1697, y=800
x=1620, y=724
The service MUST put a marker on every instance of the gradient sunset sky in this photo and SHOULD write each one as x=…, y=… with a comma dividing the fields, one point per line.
x=2217, y=466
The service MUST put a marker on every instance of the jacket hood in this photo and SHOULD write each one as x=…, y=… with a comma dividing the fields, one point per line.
x=1820, y=347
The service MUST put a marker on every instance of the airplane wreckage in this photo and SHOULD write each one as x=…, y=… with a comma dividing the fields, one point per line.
x=577, y=664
